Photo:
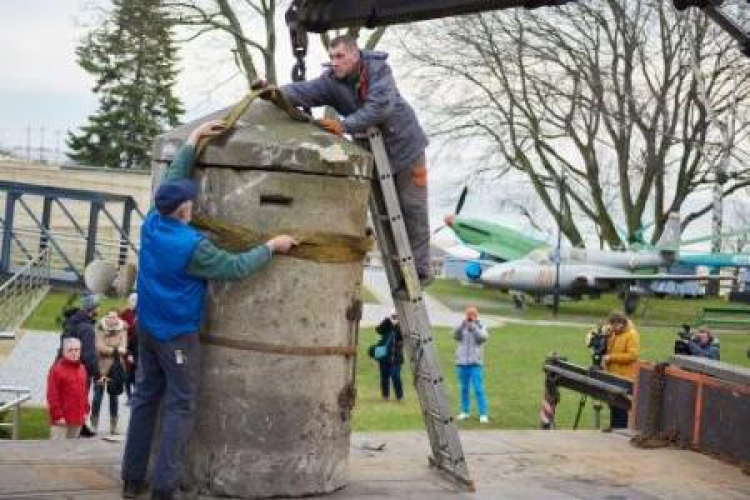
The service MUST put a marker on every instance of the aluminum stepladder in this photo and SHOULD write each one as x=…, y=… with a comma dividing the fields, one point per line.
x=447, y=452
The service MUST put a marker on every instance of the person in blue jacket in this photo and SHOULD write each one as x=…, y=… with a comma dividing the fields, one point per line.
x=390, y=365
x=176, y=261
x=704, y=344
x=360, y=86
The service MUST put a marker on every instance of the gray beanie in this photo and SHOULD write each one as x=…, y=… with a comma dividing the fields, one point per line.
x=89, y=301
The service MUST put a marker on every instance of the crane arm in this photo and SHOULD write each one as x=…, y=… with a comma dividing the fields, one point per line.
x=318, y=16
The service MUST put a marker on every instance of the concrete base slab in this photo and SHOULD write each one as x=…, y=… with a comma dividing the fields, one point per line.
x=561, y=465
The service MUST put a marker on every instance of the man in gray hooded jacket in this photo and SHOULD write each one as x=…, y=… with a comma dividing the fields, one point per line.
x=360, y=86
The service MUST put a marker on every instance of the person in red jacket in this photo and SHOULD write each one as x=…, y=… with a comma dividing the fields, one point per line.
x=66, y=392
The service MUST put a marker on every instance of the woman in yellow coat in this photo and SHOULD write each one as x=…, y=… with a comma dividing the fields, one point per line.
x=623, y=350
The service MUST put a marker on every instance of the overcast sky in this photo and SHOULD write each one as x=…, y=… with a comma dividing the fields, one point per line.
x=41, y=86
x=40, y=83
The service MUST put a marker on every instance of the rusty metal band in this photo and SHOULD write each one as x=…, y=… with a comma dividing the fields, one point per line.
x=251, y=345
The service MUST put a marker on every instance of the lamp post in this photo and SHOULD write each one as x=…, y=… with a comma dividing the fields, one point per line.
x=556, y=302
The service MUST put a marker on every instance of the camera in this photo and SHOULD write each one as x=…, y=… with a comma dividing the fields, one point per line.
x=598, y=345
x=682, y=344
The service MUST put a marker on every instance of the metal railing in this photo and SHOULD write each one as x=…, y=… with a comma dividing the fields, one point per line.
x=20, y=295
x=19, y=396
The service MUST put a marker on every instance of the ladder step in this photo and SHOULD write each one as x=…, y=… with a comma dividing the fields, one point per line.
x=435, y=415
x=430, y=377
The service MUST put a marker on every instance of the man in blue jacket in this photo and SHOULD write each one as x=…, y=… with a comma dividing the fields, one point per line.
x=175, y=263
x=360, y=86
x=704, y=344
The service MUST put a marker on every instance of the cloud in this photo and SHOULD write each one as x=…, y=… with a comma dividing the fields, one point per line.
x=41, y=56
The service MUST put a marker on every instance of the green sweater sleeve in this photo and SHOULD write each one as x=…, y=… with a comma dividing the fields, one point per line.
x=182, y=164
x=180, y=168
x=211, y=262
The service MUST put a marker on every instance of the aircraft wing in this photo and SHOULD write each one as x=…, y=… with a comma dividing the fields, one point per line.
x=716, y=259
x=494, y=240
x=626, y=278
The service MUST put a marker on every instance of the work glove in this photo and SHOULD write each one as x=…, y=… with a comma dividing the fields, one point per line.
x=331, y=125
x=269, y=94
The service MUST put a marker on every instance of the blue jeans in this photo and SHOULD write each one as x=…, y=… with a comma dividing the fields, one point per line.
x=96, y=405
x=471, y=375
x=390, y=372
x=167, y=376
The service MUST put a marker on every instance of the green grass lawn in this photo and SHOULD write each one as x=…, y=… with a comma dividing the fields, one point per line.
x=513, y=379
x=651, y=310
x=513, y=362
x=48, y=314
x=513, y=376
x=34, y=423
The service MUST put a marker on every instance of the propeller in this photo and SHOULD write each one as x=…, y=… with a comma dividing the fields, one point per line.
x=461, y=200
x=448, y=219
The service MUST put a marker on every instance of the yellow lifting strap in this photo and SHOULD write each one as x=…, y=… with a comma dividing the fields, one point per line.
x=317, y=247
x=327, y=248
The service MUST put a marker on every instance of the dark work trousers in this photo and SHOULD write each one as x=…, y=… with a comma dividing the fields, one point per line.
x=390, y=372
x=618, y=418
x=167, y=375
x=96, y=406
x=411, y=186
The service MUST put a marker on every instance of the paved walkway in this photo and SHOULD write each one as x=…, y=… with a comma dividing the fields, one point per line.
x=28, y=364
x=556, y=465
x=440, y=315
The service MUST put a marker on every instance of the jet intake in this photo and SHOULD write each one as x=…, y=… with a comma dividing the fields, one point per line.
x=473, y=270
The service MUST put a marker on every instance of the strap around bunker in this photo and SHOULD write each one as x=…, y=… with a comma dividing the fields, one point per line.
x=317, y=247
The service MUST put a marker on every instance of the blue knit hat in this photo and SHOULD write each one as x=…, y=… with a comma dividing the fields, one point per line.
x=171, y=195
x=89, y=301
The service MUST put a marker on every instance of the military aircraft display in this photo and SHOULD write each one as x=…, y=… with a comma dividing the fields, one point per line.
x=514, y=262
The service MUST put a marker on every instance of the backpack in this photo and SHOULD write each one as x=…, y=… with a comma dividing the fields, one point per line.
x=116, y=377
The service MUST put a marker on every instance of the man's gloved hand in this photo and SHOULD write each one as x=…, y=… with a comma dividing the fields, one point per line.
x=589, y=337
x=269, y=94
x=331, y=125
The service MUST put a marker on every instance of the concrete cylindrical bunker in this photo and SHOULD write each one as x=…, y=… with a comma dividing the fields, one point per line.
x=274, y=411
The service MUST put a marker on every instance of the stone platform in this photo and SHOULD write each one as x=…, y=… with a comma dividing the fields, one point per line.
x=504, y=464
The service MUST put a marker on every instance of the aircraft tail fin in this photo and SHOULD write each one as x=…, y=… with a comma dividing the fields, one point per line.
x=670, y=237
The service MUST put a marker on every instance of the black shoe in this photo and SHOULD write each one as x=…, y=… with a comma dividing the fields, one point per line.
x=133, y=489
x=162, y=495
x=86, y=432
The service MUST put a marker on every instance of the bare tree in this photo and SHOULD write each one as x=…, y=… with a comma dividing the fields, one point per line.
x=249, y=24
x=252, y=27
x=603, y=90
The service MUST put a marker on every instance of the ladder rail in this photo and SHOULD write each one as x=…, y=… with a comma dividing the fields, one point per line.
x=390, y=231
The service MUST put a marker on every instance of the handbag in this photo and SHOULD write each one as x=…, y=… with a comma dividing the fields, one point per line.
x=381, y=351
x=116, y=378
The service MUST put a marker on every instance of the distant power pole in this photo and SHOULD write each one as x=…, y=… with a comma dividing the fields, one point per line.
x=28, y=142
x=57, y=146
x=41, y=144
